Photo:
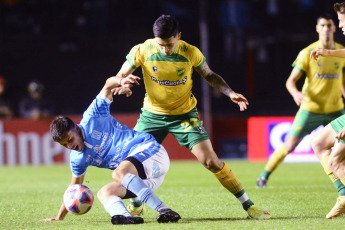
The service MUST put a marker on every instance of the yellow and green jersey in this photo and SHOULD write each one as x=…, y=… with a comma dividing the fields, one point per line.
x=322, y=86
x=167, y=78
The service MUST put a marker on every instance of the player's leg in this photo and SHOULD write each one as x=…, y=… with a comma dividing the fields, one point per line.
x=155, y=167
x=111, y=195
x=331, y=154
x=205, y=154
x=276, y=159
x=304, y=123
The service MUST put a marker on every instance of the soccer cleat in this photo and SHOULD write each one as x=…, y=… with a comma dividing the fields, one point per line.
x=167, y=215
x=120, y=219
x=261, y=182
x=257, y=213
x=136, y=211
x=338, y=209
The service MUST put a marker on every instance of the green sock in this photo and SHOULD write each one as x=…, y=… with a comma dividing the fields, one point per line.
x=265, y=174
x=340, y=187
x=243, y=198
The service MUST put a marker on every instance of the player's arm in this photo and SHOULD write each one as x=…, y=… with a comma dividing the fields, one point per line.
x=343, y=84
x=324, y=52
x=219, y=84
x=291, y=86
x=126, y=70
x=63, y=211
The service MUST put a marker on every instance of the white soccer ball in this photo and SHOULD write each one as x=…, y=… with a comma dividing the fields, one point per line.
x=78, y=199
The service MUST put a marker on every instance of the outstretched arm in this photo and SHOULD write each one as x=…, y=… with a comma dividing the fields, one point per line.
x=219, y=84
x=63, y=211
x=324, y=52
x=292, y=87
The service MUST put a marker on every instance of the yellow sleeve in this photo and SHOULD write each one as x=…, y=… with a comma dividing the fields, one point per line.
x=197, y=58
x=135, y=56
x=302, y=61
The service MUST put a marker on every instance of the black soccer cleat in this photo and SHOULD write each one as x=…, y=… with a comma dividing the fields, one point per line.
x=167, y=215
x=120, y=219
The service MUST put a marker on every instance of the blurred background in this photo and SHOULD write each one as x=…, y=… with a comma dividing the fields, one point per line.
x=71, y=47
x=55, y=56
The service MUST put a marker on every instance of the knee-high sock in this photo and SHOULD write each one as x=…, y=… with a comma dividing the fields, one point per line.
x=115, y=206
x=338, y=184
x=229, y=180
x=138, y=187
x=276, y=159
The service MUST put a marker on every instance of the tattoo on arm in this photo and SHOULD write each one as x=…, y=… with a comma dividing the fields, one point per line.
x=214, y=80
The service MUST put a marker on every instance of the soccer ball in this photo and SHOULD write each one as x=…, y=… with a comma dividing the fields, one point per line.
x=78, y=199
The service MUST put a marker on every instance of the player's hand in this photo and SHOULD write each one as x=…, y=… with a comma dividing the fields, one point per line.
x=340, y=135
x=129, y=80
x=51, y=219
x=122, y=90
x=298, y=98
x=317, y=52
x=239, y=99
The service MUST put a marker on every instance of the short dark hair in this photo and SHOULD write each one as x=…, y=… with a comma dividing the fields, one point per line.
x=60, y=126
x=165, y=27
x=326, y=16
x=339, y=7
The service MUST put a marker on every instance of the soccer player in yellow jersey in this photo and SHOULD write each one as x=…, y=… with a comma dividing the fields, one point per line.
x=320, y=99
x=329, y=144
x=169, y=106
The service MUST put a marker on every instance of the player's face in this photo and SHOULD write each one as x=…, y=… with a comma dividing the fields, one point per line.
x=341, y=18
x=168, y=46
x=73, y=140
x=325, y=28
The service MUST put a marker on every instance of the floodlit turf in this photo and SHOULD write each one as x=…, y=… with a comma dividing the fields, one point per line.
x=298, y=196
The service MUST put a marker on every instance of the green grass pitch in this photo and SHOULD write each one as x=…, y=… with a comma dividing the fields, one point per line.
x=298, y=196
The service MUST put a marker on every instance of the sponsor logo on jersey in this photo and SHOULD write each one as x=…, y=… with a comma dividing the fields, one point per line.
x=326, y=75
x=319, y=64
x=169, y=83
x=200, y=130
x=155, y=68
x=180, y=72
x=96, y=135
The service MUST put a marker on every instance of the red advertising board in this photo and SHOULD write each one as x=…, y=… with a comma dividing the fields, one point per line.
x=265, y=134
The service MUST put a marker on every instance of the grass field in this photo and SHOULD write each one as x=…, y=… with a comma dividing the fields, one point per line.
x=298, y=196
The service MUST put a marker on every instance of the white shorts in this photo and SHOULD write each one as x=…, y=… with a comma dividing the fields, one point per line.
x=156, y=167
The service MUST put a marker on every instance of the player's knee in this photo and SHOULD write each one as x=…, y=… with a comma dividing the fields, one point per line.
x=332, y=164
x=118, y=176
x=214, y=165
x=315, y=144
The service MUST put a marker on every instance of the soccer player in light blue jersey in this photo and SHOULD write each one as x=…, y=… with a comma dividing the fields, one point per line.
x=138, y=161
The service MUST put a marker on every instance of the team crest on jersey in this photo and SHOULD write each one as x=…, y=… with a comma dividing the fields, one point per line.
x=180, y=72
x=96, y=135
x=155, y=68
x=336, y=65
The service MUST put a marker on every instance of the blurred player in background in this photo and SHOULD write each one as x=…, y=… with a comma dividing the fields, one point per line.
x=5, y=108
x=329, y=144
x=35, y=105
x=169, y=106
x=139, y=162
x=320, y=100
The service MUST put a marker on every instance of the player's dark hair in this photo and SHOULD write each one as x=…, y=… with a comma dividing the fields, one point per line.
x=340, y=7
x=326, y=16
x=165, y=27
x=59, y=127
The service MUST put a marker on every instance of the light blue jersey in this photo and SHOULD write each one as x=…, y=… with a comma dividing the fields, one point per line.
x=107, y=141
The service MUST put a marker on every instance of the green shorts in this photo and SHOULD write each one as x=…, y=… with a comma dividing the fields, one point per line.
x=186, y=128
x=338, y=124
x=305, y=122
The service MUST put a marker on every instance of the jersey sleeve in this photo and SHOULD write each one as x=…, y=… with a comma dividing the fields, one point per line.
x=78, y=167
x=135, y=56
x=100, y=107
x=302, y=61
x=197, y=59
